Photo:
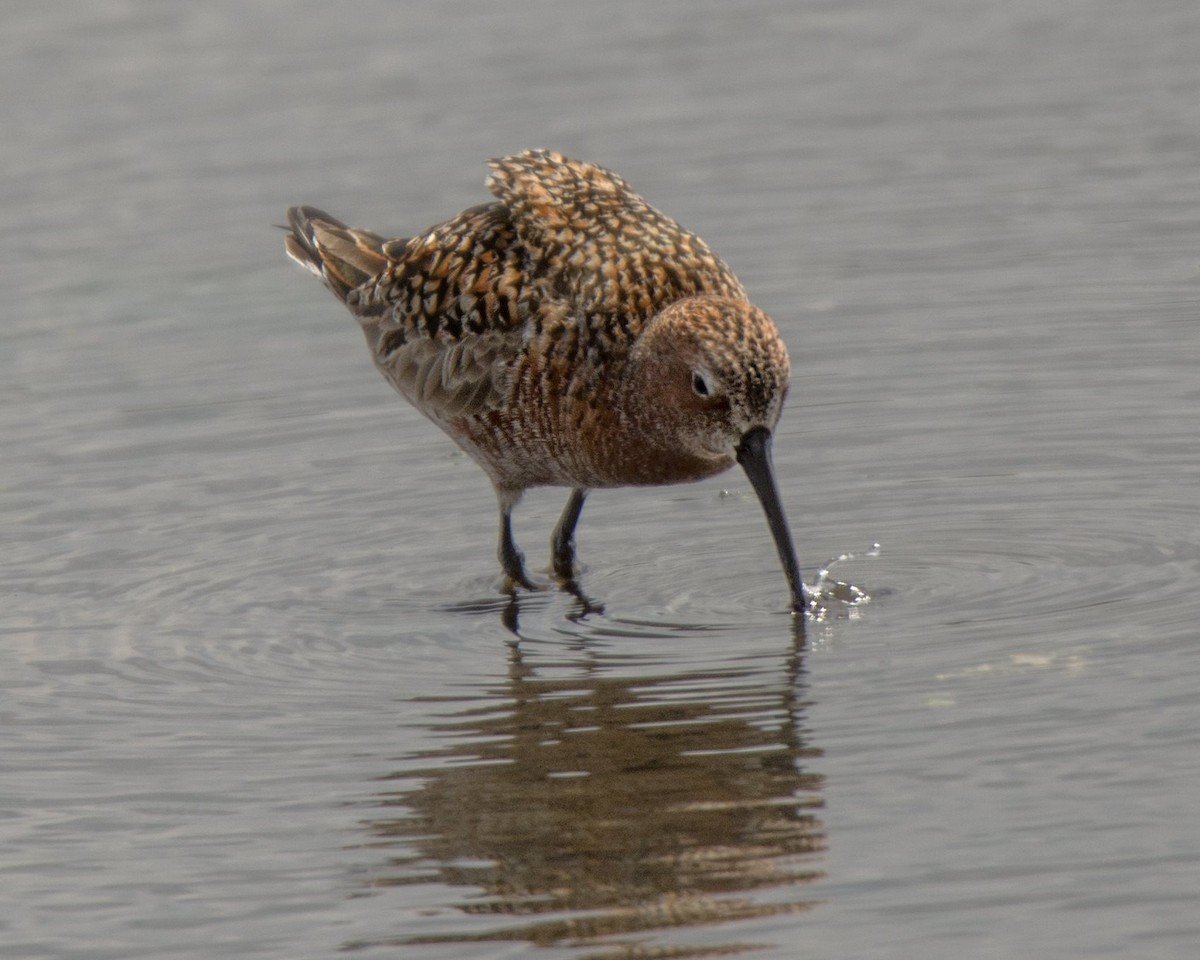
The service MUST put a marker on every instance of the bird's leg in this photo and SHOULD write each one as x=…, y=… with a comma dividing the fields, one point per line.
x=511, y=558
x=562, y=544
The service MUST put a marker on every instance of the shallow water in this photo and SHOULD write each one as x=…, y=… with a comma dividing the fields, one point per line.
x=261, y=696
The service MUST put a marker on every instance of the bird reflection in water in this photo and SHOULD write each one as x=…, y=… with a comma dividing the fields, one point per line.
x=593, y=803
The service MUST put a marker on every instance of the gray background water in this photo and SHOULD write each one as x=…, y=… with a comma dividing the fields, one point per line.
x=256, y=695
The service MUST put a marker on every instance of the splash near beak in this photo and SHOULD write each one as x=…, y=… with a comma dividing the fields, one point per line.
x=754, y=454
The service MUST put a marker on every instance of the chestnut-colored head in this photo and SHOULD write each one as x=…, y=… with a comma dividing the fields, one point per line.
x=712, y=375
x=713, y=369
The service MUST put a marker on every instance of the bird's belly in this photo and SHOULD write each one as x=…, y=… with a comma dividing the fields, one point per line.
x=517, y=456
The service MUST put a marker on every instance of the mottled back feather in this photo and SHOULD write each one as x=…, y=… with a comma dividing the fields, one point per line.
x=613, y=256
x=567, y=243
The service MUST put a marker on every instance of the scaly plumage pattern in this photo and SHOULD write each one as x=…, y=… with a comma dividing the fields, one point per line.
x=566, y=334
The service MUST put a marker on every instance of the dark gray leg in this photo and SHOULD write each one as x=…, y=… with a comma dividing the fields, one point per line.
x=562, y=544
x=511, y=558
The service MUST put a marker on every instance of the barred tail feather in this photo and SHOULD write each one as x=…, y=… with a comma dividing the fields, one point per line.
x=343, y=258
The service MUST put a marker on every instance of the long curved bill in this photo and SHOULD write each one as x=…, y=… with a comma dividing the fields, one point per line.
x=754, y=454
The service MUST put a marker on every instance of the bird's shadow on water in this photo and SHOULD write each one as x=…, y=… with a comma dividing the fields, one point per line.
x=608, y=790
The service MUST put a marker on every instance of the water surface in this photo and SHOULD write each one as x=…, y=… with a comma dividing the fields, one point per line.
x=261, y=695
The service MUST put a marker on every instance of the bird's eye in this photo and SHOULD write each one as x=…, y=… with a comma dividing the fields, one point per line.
x=700, y=384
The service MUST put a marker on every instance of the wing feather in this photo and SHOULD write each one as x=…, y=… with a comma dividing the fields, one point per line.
x=441, y=312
